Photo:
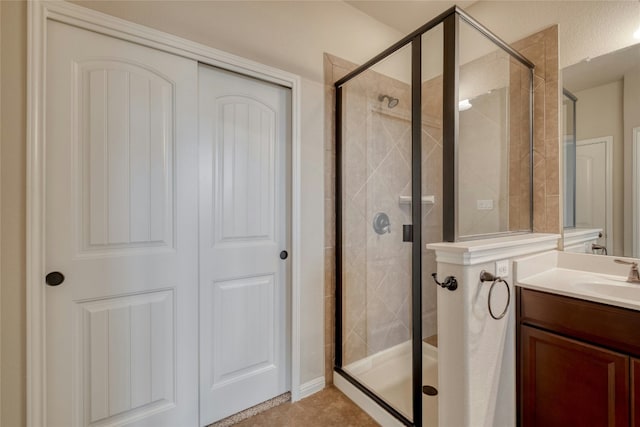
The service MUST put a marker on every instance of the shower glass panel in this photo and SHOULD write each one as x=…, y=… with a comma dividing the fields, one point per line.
x=433, y=143
x=494, y=186
x=376, y=262
x=431, y=158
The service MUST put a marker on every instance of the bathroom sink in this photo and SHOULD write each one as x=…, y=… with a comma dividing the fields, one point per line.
x=611, y=288
x=594, y=278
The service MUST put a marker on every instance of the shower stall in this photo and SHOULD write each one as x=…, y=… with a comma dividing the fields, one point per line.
x=433, y=143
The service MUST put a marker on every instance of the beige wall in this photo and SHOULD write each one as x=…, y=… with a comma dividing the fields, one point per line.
x=312, y=234
x=631, y=120
x=12, y=226
x=599, y=113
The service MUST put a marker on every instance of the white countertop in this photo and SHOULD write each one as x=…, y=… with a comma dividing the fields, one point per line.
x=588, y=277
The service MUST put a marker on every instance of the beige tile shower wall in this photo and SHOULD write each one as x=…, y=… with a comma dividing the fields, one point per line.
x=376, y=270
x=483, y=151
x=519, y=150
x=542, y=49
x=376, y=171
x=483, y=144
x=484, y=137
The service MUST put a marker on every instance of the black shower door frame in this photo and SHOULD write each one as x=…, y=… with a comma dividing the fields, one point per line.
x=450, y=129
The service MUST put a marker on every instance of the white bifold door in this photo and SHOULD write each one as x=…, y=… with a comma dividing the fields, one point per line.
x=244, y=328
x=166, y=297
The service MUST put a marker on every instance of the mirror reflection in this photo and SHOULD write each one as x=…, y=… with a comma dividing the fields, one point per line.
x=601, y=121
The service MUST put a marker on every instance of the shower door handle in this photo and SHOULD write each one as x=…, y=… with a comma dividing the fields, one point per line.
x=407, y=233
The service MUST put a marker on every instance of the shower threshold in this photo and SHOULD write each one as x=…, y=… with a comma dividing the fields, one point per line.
x=388, y=374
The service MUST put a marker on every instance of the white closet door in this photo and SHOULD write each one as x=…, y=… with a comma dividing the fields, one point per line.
x=121, y=225
x=244, y=321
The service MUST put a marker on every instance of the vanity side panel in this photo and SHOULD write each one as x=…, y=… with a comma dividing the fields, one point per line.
x=612, y=327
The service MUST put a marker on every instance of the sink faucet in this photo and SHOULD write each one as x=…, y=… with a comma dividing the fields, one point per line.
x=598, y=249
x=634, y=274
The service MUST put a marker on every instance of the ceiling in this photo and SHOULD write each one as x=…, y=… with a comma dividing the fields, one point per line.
x=601, y=70
x=405, y=16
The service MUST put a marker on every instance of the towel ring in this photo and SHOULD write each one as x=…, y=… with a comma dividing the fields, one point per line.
x=506, y=307
x=485, y=276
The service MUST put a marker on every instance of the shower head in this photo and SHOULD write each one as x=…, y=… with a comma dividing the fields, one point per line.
x=392, y=102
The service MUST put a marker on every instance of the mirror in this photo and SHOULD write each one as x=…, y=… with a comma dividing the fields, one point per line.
x=601, y=149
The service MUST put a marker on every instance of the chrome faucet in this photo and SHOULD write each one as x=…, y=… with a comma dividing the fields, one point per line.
x=634, y=274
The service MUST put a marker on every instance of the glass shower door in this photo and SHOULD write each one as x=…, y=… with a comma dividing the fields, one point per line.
x=375, y=203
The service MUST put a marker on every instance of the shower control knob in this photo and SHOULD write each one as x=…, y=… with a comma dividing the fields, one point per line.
x=54, y=278
x=284, y=255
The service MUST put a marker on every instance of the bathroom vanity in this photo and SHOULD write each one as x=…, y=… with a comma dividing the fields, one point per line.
x=578, y=339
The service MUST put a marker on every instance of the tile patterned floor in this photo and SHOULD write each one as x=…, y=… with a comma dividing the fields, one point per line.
x=327, y=408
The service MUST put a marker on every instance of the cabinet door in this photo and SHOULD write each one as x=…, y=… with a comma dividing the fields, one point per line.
x=569, y=383
x=635, y=392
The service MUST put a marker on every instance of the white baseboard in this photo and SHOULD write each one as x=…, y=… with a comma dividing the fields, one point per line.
x=311, y=387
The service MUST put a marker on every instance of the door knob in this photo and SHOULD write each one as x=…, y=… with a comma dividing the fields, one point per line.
x=54, y=278
x=284, y=255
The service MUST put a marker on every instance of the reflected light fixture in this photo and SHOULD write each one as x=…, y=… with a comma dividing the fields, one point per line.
x=464, y=105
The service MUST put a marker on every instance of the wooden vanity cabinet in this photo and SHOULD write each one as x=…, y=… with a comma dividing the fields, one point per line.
x=568, y=383
x=635, y=392
x=578, y=362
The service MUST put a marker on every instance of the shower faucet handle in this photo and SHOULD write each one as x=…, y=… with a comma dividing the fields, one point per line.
x=381, y=223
